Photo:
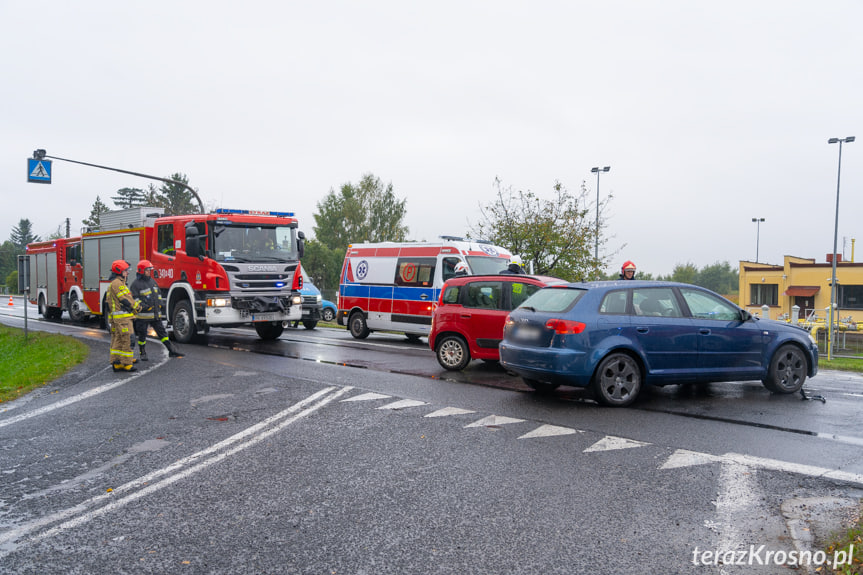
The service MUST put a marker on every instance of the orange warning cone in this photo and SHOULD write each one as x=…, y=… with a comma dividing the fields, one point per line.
x=10, y=300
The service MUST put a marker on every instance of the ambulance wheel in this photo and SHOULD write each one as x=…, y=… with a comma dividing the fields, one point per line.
x=269, y=329
x=76, y=312
x=358, y=326
x=183, y=322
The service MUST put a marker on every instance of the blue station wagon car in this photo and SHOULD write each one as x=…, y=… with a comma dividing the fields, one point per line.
x=618, y=336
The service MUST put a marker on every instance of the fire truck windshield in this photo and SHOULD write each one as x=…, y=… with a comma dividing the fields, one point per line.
x=253, y=243
x=486, y=265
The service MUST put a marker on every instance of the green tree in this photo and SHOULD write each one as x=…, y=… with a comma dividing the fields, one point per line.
x=719, y=277
x=8, y=259
x=557, y=237
x=22, y=234
x=96, y=212
x=323, y=264
x=130, y=198
x=686, y=273
x=12, y=281
x=175, y=198
x=366, y=212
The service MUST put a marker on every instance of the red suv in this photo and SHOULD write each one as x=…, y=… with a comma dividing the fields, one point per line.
x=467, y=322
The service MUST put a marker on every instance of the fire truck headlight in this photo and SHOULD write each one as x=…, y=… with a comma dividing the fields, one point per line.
x=297, y=300
x=219, y=302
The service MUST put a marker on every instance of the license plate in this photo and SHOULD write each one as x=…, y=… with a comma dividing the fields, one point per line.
x=528, y=333
x=265, y=316
x=307, y=311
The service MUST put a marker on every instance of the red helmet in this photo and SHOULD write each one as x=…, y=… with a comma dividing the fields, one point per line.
x=144, y=265
x=119, y=266
x=628, y=265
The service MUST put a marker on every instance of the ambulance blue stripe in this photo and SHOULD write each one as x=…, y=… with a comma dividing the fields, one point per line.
x=389, y=292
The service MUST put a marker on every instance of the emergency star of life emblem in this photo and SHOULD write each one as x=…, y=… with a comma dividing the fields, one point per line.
x=362, y=269
x=489, y=250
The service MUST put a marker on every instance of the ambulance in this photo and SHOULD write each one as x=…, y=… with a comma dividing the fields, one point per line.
x=394, y=286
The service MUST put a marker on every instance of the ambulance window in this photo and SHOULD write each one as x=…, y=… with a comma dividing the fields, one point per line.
x=448, y=269
x=165, y=239
x=415, y=272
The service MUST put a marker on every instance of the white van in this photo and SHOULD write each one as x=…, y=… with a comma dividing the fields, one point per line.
x=394, y=285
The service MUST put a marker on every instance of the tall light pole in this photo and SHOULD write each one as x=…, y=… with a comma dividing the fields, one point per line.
x=757, y=235
x=596, y=170
x=833, y=290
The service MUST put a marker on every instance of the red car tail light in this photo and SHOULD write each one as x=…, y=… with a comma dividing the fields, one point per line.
x=564, y=326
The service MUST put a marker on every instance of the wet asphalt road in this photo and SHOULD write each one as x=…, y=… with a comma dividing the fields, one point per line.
x=319, y=454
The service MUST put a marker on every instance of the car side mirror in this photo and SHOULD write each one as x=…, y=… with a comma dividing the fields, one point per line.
x=745, y=315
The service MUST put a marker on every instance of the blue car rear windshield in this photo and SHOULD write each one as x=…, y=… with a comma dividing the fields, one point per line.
x=553, y=299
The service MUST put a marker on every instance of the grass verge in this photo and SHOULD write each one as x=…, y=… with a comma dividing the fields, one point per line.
x=841, y=363
x=42, y=358
x=849, y=545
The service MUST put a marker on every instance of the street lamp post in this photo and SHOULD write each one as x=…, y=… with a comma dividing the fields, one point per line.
x=757, y=235
x=596, y=170
x=830, y=342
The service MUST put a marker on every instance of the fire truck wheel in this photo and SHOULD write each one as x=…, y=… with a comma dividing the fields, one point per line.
x=358, y=326
x=43, y=309
x=269, y=329
x=183, y=322
x=308, y=324
x=76, y=314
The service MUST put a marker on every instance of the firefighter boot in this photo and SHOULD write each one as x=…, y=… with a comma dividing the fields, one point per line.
x=123, y=368
x=142, y=353
x=172, y=350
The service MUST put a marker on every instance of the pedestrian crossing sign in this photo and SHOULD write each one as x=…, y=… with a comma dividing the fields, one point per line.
x=38, y=171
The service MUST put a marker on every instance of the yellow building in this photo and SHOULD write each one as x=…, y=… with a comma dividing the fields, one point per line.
x=805, y=283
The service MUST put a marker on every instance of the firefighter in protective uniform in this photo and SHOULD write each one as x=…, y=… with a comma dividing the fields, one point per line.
x=146, y=293
x=121, y=310
x=627, y=270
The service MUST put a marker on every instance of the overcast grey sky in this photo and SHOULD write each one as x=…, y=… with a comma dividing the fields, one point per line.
x=709, y=113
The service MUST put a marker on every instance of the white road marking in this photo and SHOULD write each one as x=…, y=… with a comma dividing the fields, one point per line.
x=176, y=471
x=549, y=431
x=493, y=420
x=737, y=499
x=401, y=404
x=367, y=397
x=76, y=398
x=685, y=458
x=449, y=411
x=610, y=443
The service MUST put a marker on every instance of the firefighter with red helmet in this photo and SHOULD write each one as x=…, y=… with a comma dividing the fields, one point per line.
x=121, y=312
x=146, y=293
x=627, y=270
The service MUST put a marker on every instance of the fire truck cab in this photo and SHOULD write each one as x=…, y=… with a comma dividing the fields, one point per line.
x=394, y=286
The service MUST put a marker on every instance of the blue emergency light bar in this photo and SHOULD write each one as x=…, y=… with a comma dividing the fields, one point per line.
x=255, y=213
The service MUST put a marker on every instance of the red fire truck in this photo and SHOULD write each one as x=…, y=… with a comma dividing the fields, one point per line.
x=55, y=277
x=224, y=269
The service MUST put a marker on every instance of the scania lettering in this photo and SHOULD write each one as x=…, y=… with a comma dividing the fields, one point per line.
x=394, y=286
x=223, y=269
